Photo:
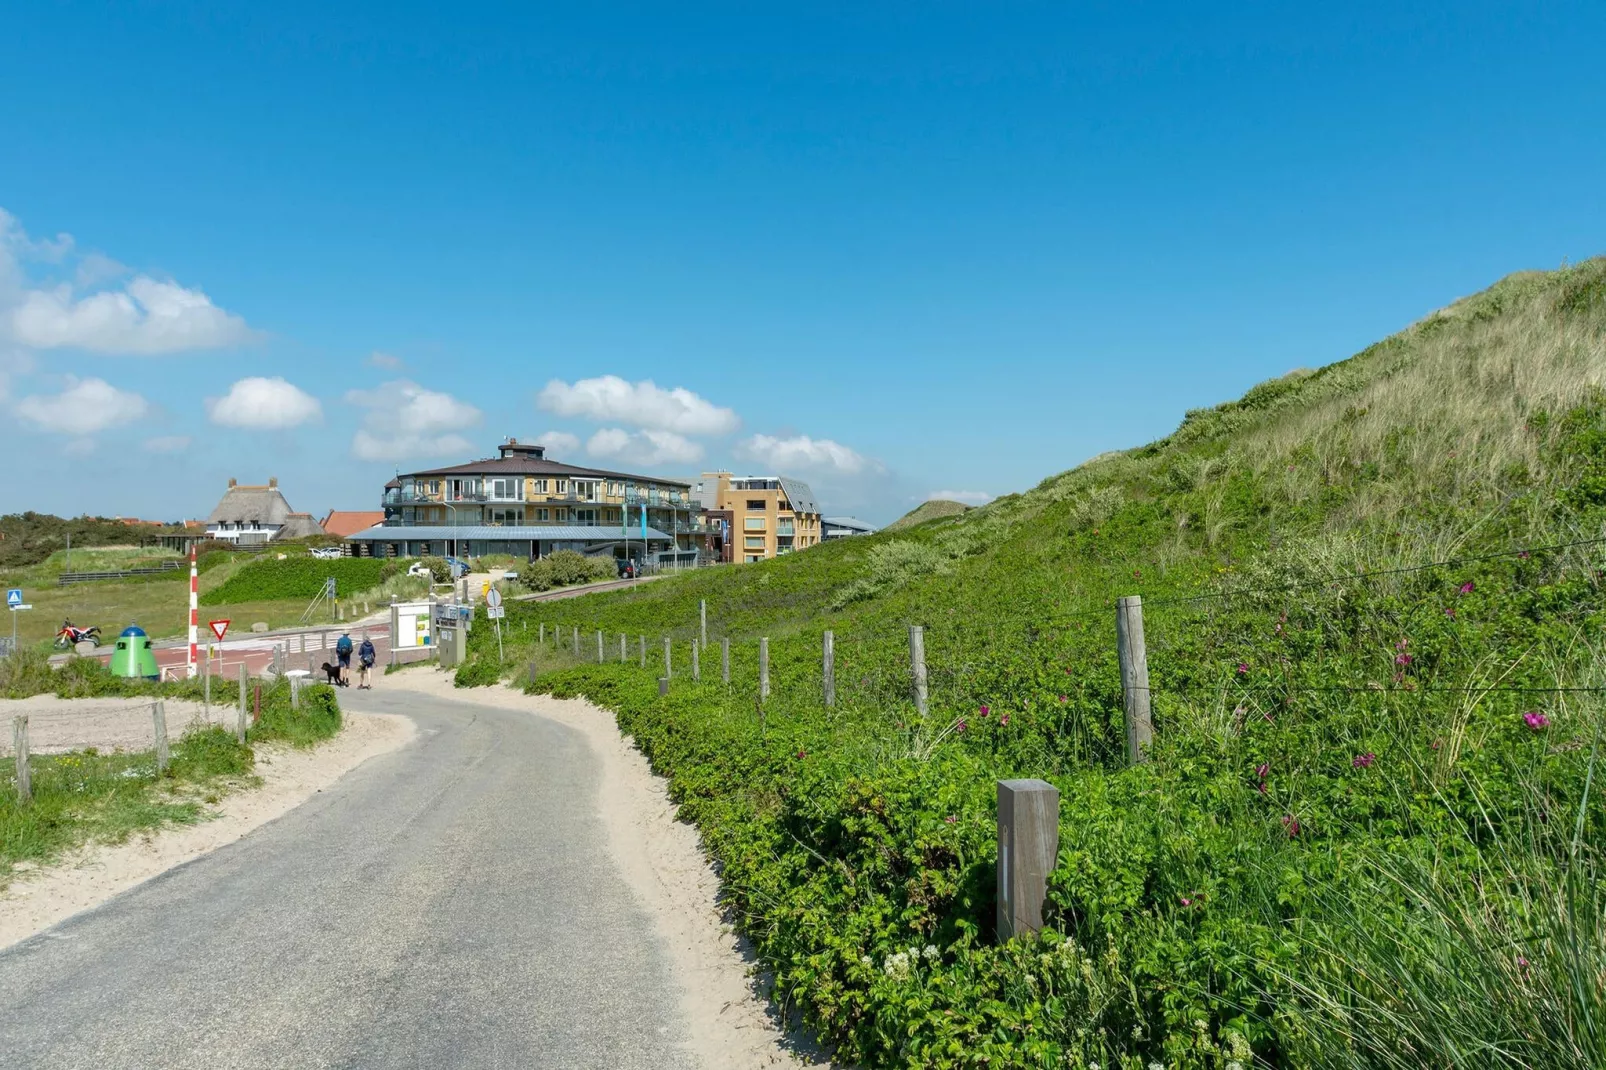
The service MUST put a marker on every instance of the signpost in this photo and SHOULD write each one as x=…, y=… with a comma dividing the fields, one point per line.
x=219, y=628
x=14, y=603
x=493, y=609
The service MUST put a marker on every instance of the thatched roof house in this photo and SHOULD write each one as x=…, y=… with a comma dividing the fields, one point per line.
x=252, y=515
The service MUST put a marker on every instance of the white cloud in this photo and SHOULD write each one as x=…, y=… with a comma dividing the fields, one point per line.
x=83, y=408
x=406, y=420
x=643, y=447
x=263, y=404
x=145, y=316
x=644, y=404
x=802, y=453
x=167, y=444
x=969, y=497
x=558, y=441
x=384, y=360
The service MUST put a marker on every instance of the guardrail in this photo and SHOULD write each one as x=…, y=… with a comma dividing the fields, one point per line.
x=69, y=578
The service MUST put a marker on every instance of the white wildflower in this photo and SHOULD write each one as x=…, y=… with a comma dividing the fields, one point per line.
x=931, y=952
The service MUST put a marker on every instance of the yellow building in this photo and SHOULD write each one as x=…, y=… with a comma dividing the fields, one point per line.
x=521, y=503
x=766, y=516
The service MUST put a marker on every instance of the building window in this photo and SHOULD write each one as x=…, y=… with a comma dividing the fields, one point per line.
x=755, y=503
x=754, y=557
x=541, y=515
x=540, y=486
x=507, y=516
x=585, y=516
x=753, y=523
x=563, y=486
x=753, y=542
x=783, y=526
x=613, y=490
x=507, y=490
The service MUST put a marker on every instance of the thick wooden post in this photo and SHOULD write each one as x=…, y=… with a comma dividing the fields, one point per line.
x=702, y=620
x=624, y=652
x=917, y=666
x=574, y=642
x=540, y=635
x=159, y=721
x=643, y=640
x=669, y=673
x=295, y=693
x=1134, y=677
x=19, y=750
x=663, y=685
x=1028, y=848
x=828, y=668
x=763, y=668
x=725, y=660
x=239, y=721
x=532, y=673
x=600, y=657
x=696, y=665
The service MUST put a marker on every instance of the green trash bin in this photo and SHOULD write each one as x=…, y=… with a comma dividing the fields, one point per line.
x=134, y=657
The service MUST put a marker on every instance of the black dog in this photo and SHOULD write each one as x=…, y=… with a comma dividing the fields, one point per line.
x=334, y=675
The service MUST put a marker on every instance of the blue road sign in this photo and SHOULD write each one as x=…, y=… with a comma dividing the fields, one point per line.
x=14, y=596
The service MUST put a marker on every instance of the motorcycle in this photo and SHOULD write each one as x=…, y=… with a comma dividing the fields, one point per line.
x=70, y=636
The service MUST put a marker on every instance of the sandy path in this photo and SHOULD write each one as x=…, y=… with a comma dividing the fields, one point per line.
x=662, y=861
x=63, y=724
x=90, y=876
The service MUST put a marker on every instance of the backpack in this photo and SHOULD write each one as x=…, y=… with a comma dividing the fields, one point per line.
x=344, y=646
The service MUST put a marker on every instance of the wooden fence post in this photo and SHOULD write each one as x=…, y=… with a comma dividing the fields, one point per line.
x=763, y=668
x=696, y=665
x=540, y=637
x=600, y=657
x=239, y=721
x=917, y=665
x=1028, y=848
x=532, y=673
x=702, y=620
x=828, y=668
x=19, y=750
x=643, y=640
x=663, y=685
x=624, y=653
x=725, y=660
x=669, y=673
x=256, y=704
x=1134, y=677
x=159, y=720
x=295, y=693
x=574, y=643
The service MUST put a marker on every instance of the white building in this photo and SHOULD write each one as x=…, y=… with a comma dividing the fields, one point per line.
x=253, y=515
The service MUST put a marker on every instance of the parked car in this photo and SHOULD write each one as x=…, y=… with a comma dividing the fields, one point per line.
x=459, y=568
x=327, y=553
x=627, y=568
x=418, y=568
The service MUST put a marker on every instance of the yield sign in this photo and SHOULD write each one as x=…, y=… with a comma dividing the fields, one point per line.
x=219, y=627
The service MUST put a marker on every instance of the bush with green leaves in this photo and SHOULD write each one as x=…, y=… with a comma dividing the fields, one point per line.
x=269, y=578
x=1371, y=824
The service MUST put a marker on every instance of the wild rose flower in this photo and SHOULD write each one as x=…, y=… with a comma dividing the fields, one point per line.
x=1003, y=718
x=1363, y=761
x=1185, y=900
x=1467, y=587
x=1536, y=720
x=1291, y=824
x=985, y=710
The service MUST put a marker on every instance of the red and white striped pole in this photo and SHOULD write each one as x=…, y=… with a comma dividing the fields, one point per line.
x=195, y=611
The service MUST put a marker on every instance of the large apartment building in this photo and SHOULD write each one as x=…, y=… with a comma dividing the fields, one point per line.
x=521, y=503
x=759, y=516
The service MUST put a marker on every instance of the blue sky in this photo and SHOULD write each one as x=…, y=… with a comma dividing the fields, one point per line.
x=889, y=249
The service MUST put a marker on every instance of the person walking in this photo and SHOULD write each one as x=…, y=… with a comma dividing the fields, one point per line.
x=343, y=657
x=366, y=656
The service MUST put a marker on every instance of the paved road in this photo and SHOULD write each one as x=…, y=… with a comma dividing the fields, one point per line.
x=448, y=905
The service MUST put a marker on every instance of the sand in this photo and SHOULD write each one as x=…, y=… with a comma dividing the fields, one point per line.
x=39, y=898
x=732, y=1024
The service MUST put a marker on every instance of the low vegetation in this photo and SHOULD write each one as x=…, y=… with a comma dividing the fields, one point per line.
x=1370, y=830
x=29, y=538
x=936, y=509
x=301, y=577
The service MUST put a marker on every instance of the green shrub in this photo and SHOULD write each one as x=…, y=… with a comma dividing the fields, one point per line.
x=294, y=577
x=565, y=568
x=478, y=671
x=440, y=569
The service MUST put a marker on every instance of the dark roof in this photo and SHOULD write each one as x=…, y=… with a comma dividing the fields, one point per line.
x=529, y=466
x=798, y=495
x=299, y=526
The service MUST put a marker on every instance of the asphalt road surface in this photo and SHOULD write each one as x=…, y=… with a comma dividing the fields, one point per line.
x=450, y=904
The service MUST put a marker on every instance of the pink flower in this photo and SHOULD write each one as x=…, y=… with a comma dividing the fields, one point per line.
x=1185, y=900
x=1437, y=743
x=1291, y=824
x=1536, y=720
x=1262, y=770
x=1137, y=574
x=1243, y=668
x=985, y=710
x=1363, y=761
x=1003, y=719
x=1062, y=698
x=961, y=726
x=951, y=819
x=1522, y=963
x=1449, y=611
x=1402, y=659
x=1524, y=555
x=802, y=754
x=1467, y=587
